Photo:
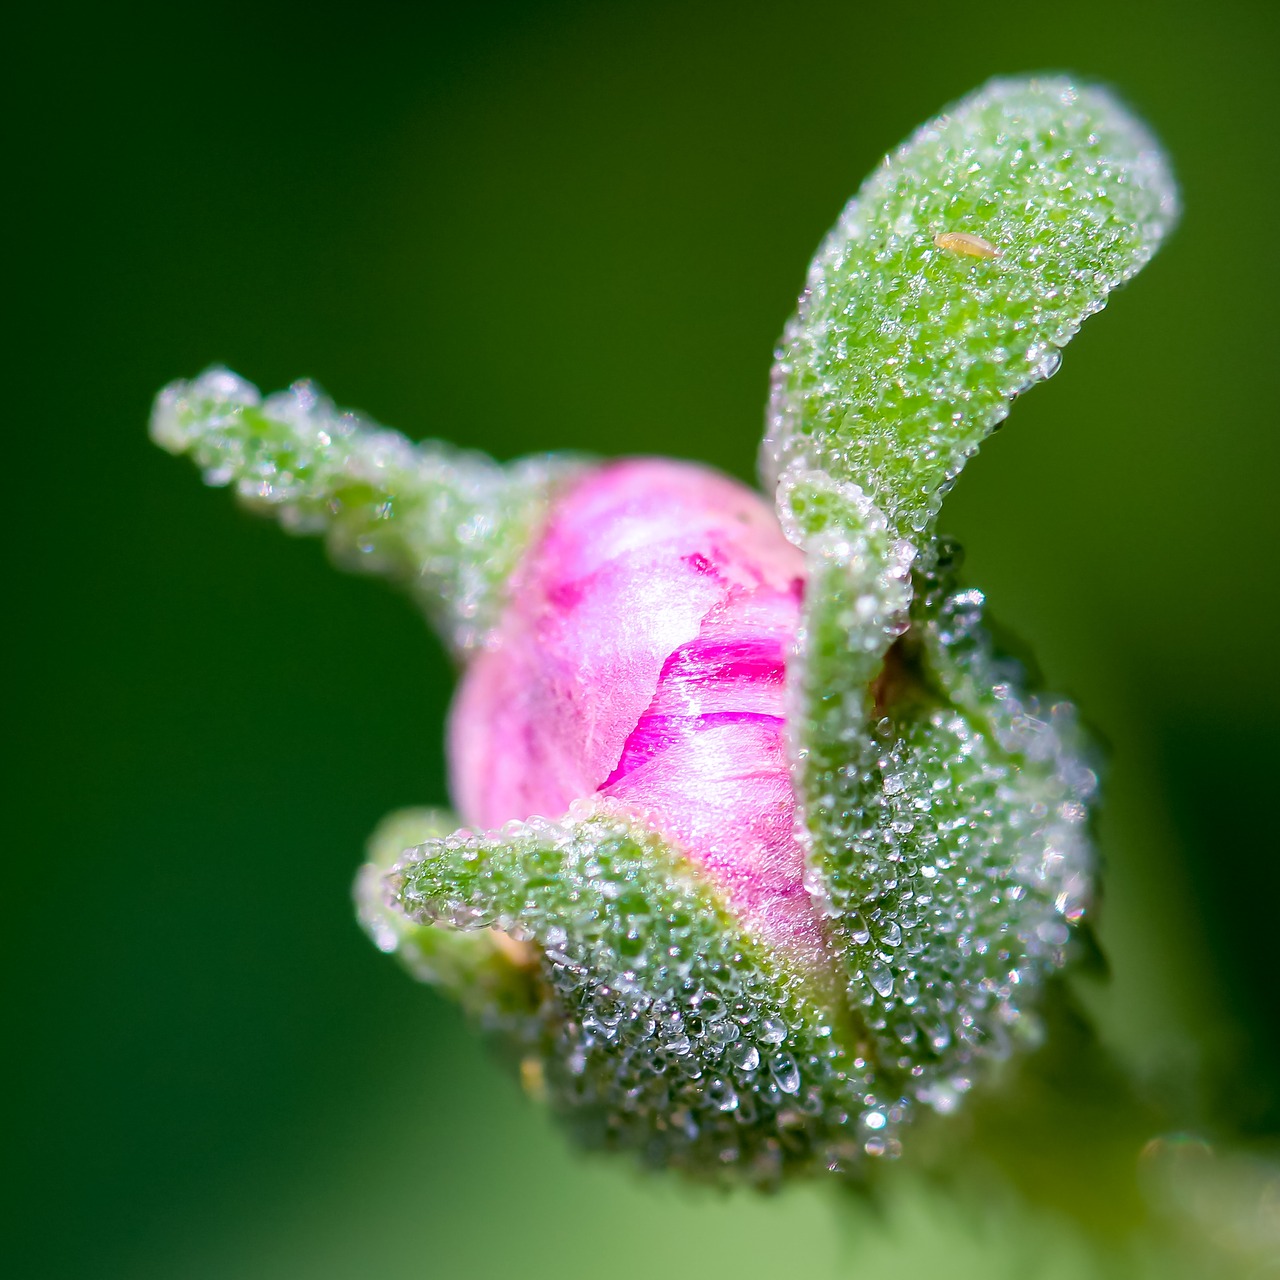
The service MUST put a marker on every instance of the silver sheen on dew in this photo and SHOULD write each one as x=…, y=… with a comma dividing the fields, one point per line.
x=762, y=846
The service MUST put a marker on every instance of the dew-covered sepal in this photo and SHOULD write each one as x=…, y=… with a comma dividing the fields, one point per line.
x=666, y=1028
x=943, y=808
x=447, y=524
x=951, y=281
x=946, y=813
x=493, y=978
x=822, y=847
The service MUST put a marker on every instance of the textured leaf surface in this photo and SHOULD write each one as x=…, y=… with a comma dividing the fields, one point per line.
x=492, y=978
x=668, y=1029
x=447, y=524
x=904, y=354
x=946, y=818
x=944, y=808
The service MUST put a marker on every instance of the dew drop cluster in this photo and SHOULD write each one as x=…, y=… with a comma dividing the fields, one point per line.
x=903, y=355
x=446, y=523
x=949, y=847
x=662, y=1027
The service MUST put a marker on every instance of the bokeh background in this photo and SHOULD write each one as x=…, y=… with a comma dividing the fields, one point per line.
x=539, y=226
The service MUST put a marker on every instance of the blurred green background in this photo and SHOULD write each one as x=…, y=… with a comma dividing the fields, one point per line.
x=528, y=227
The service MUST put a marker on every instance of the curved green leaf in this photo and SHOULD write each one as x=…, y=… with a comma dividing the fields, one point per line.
x=669, y=1030
x=908, y=344
x=447, y=524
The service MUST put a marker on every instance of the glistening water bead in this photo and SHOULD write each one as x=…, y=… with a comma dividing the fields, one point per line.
x=768, y=845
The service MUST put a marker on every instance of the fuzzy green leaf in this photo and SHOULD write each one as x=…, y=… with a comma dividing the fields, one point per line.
x=447, y=524
x=669, y=1030
x=907, y=346
x=491, y=979
x=944, y=809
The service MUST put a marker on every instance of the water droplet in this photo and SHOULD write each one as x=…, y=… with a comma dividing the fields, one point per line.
x=722, y=1094
x=773, y=1031
x=785, y=1072
x=881, y=978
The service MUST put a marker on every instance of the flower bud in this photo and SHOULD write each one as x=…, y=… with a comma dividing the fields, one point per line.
x=771, y=845
x=642, y=659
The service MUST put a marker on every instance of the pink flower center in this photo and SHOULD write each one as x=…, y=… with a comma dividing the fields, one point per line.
x=643, y=657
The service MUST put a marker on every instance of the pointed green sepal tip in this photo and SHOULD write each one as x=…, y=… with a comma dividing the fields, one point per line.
x=489, y=975
x=953, y=279
x=447, y=524
x=668, y=1029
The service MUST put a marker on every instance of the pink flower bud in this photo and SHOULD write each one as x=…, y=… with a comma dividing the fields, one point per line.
x=642, y=657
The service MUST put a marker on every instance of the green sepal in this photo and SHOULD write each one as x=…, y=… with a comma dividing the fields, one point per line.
x=905, y=354
x=944, y=808
x=946, y=818
x=668, y=1030
x=492, y=979
x=447, y=524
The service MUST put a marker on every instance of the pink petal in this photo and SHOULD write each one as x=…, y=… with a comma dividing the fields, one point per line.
x=643, y=656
